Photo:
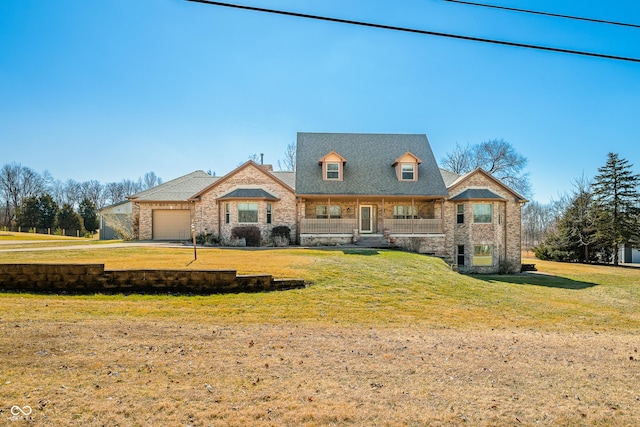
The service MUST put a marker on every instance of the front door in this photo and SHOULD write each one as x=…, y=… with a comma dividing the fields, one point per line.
x=366, y=221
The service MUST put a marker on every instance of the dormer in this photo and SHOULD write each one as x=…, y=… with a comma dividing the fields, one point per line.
x=407, y=167
x=332, y=166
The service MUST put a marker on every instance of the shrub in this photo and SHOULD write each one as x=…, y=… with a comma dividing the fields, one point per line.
x=250, y=233
x=281, y=235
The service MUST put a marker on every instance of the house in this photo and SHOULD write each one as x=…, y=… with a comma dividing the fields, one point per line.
x=352, y=186
x=115, y=221
x=628, y=254
x=347, y=188
x=251, y=194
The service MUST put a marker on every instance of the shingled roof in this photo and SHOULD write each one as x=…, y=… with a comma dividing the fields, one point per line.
x=368, y=169
x=179, y=189
x=477, y=194
x=249, y=193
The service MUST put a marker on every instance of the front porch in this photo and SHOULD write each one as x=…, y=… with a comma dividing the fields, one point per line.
x=344, y=221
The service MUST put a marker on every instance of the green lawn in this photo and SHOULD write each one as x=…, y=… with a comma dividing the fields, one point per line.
x=372, y=287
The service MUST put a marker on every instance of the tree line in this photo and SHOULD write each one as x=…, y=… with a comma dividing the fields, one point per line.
x=598, y=218
x=29, y=199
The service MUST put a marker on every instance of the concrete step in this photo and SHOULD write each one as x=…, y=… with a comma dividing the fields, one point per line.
x=376, y=241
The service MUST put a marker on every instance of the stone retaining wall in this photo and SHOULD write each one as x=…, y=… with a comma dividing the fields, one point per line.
x=93, y=278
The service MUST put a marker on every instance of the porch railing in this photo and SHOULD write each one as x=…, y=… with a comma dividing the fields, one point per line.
x=413, y=226
x=327, y=226
x=346, y=226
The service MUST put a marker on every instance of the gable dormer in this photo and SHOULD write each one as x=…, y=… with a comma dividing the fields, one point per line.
x=407, y=167
x=332, y=166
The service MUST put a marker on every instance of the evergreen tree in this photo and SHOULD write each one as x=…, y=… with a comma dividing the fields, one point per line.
x=48, y=211
x=89, y=215
x=616, y=196
x=28, y=214
x=579, y=223
x=39, y=212
x=69, y=220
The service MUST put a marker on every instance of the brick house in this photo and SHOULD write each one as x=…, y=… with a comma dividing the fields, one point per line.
x=348, y=188
x=251, y=194
x=370, y=186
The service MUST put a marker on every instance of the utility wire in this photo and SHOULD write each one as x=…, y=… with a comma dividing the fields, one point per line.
x=513, y=9
x=416, y=31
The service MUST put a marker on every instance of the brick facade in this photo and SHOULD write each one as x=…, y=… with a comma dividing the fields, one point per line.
x=498, y=242
x=207, y=210
x=210, y=211
x=503, y=234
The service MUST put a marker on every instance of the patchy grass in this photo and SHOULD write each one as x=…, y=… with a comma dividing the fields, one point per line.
x=379, y=338
x=15, y=240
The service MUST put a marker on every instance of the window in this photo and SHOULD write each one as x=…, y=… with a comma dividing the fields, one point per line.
x=483, y=255
x=460, y=216
x=482, y=213
x=404, y=212
x=408, y=171
x=268, y=213
x=321, y=212
x=333, y=170
x=226, y=213
x=461, y=255
x=248, y=212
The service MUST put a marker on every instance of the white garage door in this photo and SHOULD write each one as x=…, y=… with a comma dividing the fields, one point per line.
x=171, y=224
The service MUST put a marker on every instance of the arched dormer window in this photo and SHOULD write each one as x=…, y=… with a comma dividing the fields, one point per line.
x=407, y=167
x=332, y=166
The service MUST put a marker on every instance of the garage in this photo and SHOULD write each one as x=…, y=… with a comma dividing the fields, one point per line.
x=171, y=224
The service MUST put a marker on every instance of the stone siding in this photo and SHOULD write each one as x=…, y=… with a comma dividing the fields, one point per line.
x=92, y=278
x=210, y=211
x=503, y=233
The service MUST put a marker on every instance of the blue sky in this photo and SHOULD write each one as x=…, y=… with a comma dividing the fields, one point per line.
x=111, y=89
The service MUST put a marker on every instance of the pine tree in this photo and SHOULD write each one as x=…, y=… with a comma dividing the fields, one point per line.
x=615, y=191
x=89, y=214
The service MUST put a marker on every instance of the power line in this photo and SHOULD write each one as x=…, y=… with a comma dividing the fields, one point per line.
x=556, y=15
x=416, y=31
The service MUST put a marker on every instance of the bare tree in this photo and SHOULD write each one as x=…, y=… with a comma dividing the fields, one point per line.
x=114, y=193
x=17, y=183
x=459, y=161
x=93, y=191
x=130, y=187
x=289, y=161
x=150, y=180
x=496, y=156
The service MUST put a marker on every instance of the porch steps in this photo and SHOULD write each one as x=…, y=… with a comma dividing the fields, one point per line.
x=373, y=241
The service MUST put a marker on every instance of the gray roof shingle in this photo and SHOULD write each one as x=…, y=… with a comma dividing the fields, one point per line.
x=249, y=193
x=477, y=194
x=368, y=170
x=179, y=189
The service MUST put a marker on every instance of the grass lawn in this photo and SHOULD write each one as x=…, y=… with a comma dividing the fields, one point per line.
x=378, y=338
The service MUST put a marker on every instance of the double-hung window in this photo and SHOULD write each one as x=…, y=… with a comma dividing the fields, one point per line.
x=269, y=213
x=408, y=171
x=333, y=171
x=461, y=255
x=324, y=212
x=460, y=214
x=403, y=212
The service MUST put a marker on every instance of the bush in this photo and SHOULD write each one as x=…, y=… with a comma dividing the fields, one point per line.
x=250, y=233
x=281, y=235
